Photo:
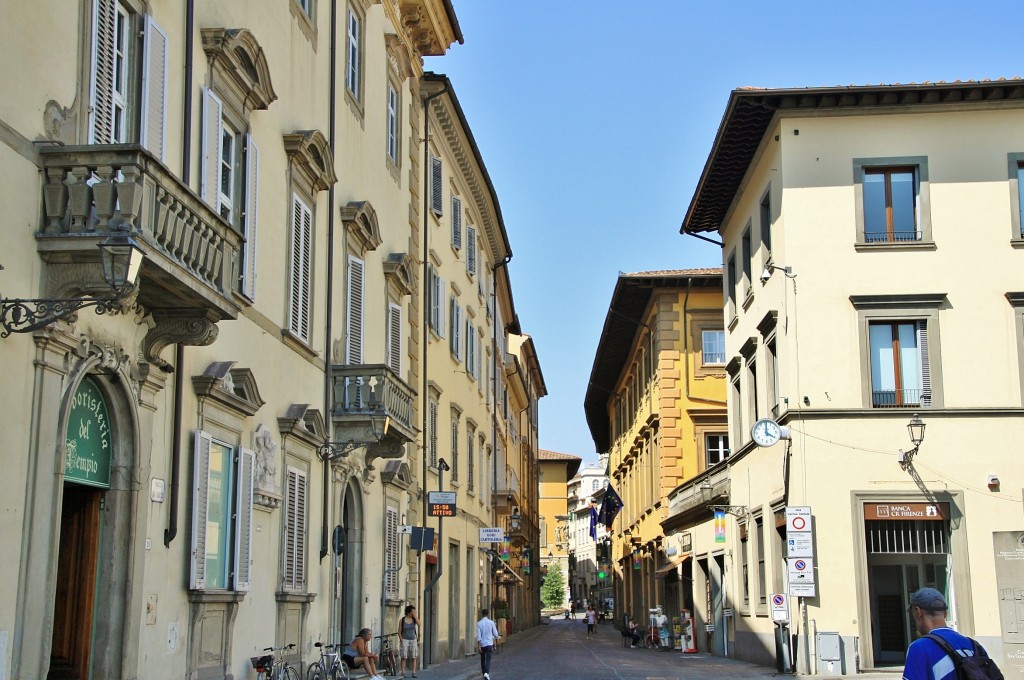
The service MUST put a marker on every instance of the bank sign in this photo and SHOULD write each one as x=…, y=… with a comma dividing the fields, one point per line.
x=88, y=443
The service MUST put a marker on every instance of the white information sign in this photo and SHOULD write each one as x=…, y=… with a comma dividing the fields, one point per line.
x=802, y=590
x=492, y=534
x=441, y=497
x=801, y=570
x=798, y=518
x=405, y=529
x=799, y=545
x=780, y=607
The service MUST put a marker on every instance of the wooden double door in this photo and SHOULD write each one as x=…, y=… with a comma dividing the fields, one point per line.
x=75, y=597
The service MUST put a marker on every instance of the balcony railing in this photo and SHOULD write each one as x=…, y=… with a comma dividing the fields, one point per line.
x=364, y=389
x=894, y=237
x=192, y=255
x=915, y=398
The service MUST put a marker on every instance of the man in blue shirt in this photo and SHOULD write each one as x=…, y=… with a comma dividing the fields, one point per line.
x=486, y=635
x=925, y=659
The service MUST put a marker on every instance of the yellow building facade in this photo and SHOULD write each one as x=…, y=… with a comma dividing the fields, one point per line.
x=656, y=405
x=223, y=459
x=556, y=469
x=843, y=224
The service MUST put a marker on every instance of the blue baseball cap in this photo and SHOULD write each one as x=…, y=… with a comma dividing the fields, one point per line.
x=928, y=599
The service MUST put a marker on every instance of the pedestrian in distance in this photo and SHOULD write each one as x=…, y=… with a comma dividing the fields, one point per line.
x=941, y=653
x=486, y=636
x=409, y=634
x=591, y=621
x=357, y=655
x=633, y=632
x=572, y=608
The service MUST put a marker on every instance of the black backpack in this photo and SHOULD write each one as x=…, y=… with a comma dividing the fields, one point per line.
x=977, y=667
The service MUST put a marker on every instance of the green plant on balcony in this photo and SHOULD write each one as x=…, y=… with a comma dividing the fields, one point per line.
x=500, y=609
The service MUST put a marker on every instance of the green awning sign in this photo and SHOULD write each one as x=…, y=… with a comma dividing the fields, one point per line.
x=88, y=444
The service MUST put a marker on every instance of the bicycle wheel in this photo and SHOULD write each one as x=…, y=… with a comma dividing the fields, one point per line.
x=651, y=642
x=389, y=661
x=289, y=673
x=316, y=672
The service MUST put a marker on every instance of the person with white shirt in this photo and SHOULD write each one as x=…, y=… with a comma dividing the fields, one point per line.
x=486, y=636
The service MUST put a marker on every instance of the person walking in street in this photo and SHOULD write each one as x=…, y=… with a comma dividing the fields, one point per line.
x=591, y=622
x=486, y=636
x=926, y=659
x=572, y=608
x=409, y=633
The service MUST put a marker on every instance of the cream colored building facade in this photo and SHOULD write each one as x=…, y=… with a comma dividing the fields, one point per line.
x=556, y=469
x=656, y=405
x=584, y=559
x=165, y=488
x=872, y=248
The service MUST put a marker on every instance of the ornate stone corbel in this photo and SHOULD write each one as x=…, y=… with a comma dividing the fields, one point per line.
x=171, y=326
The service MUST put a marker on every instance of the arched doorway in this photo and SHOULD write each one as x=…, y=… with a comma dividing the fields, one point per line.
x=352, y=561
x=93, y=529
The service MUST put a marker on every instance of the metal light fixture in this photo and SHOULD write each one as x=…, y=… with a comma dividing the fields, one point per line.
x=915, y=428
x=121, y=258
x=514, y=519
x=380, y=422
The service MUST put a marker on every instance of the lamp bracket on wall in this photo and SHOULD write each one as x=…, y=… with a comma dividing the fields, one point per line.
x=736, y=510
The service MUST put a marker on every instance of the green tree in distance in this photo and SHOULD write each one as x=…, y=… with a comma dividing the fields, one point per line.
x=552, y=591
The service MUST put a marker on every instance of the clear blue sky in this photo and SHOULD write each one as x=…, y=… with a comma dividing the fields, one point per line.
x=595, y=119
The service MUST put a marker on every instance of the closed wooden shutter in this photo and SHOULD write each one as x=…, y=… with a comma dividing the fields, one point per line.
x=436, y=177
x=455, y=447
x=391, y=554
x=301, y=268
x=471, y=249
x=252, y=163
x=243, y=520
x=395, y=338
x=470, y=463
x=456, y=222
x=440, y=288
x=213, y=126
x=294, y=576
x=926, y=371
x=101, y=86
x=433, y=433
x=154, y=89
x=355, y=310
x=200, y=508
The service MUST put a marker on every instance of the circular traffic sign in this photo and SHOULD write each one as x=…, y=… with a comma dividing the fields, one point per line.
x=778, y=600
x=799, y=523
x=800, y=565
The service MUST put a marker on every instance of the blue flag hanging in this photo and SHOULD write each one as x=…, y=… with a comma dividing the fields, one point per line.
x=610, y=506
x=593, y=522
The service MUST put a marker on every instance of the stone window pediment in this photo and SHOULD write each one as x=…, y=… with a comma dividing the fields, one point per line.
x=397, y=473
x=303, y=423
x=238, y=58
x=398, y=273
x=311, y=155
x=360, y=220
x=234, y=388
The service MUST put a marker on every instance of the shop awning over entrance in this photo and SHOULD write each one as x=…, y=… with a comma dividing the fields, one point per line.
x=663, y=572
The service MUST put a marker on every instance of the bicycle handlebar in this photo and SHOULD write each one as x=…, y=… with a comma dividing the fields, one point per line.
x=279, y=649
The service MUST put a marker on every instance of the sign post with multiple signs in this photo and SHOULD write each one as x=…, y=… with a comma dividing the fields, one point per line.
x=800, y=551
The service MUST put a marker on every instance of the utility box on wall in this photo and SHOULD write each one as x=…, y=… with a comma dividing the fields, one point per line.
x=829, y=647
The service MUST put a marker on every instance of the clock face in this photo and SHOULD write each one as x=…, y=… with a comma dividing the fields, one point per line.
x=765, y=432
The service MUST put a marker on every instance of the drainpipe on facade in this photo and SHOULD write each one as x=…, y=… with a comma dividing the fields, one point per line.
x=179, y=350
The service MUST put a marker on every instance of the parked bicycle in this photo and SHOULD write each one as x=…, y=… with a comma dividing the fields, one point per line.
x=273, y=666
x=328, y=666
x=388, y=656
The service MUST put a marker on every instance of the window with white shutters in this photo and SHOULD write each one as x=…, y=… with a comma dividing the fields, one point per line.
x=392, y=123
x=293, y=575
x=470, y=462
x=455, y=327
x=300, y=270
x=353, y=73
x=249, y=219
x=432, y=425
x=126, y=105
x=456, y=222
x=436, y=186
x=221, y=556
x=355, y=311
x=394, y=336
x=471, y=250
x=455, y=445
x=391, y=554
x=470, y=350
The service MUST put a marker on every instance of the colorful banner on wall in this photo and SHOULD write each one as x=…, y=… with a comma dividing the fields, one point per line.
x=505, y=548
x=637, y=562
x=719, y=526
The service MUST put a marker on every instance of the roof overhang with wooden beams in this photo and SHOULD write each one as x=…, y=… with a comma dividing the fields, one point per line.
x=750, y=113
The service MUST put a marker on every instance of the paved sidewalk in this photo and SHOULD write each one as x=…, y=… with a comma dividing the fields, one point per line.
x=559, y=650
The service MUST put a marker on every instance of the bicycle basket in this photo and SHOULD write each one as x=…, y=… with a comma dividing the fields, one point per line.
x=262, y=663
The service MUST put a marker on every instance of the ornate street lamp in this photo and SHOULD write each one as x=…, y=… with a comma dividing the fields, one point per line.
x=380, y=422
x=915, y=428
x=514, y=519
x=121, y=258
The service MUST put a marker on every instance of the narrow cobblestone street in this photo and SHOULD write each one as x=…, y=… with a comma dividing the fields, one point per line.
x=560, y=650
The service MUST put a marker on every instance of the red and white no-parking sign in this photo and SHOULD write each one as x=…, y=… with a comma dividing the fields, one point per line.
x=798, y=518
